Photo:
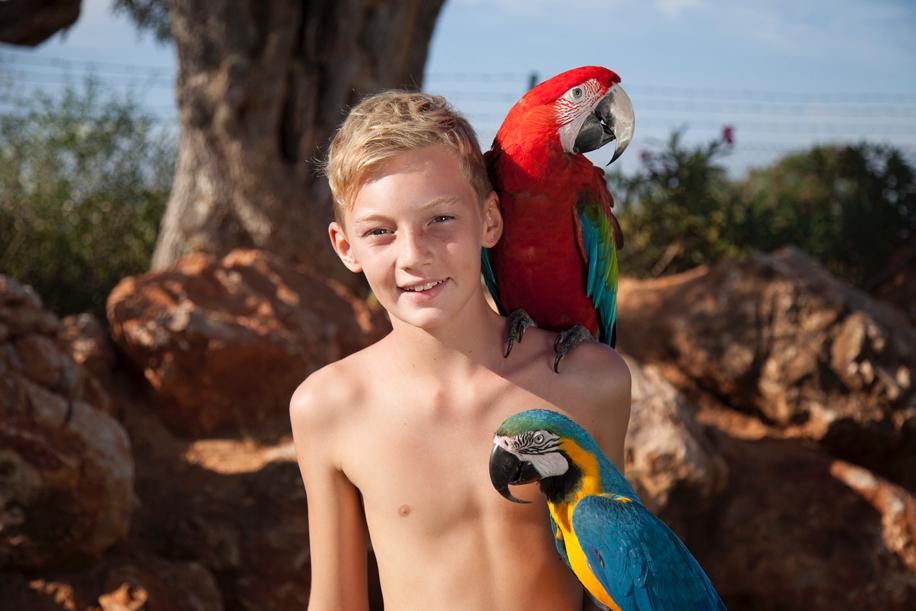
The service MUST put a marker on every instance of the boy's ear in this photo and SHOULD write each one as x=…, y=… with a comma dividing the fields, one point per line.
x=492, y=220
x=342, y=247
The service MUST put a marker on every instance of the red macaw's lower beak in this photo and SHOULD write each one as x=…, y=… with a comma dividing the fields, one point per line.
x=506, y=468
x=612, y=119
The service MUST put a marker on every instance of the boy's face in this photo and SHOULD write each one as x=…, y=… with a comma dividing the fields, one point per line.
x=416, y=229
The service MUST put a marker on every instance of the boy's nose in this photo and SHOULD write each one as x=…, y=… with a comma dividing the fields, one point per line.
x=415, y=249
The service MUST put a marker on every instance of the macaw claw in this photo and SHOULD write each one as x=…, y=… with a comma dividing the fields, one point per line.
x=519, y=321
x=567, y=340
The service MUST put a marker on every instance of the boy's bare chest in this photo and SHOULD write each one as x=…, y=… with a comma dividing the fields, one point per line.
x=421, y=463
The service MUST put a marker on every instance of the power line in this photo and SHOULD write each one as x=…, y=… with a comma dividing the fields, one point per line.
x=35, y=79
x=17, y=57
x=713, y=93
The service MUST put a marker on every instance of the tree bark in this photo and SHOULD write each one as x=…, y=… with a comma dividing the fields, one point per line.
x=31, y=22
x=261, y=87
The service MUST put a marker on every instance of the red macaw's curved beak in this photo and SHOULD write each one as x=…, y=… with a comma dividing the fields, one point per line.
x=506, y=468
x=611, y=119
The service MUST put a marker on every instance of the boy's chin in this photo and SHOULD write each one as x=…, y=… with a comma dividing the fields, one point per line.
x=428, y=320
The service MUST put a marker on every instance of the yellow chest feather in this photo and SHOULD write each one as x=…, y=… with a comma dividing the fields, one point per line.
x=562, y=515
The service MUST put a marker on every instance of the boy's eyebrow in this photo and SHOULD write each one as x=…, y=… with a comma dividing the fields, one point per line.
x=445, y=199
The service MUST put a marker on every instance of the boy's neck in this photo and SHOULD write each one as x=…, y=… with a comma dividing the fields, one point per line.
x=470, y=341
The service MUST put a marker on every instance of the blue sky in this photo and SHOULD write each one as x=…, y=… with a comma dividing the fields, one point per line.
x=785, y=74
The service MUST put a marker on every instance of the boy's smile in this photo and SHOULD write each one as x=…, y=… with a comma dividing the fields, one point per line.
x=415, y=229
x=425, y=290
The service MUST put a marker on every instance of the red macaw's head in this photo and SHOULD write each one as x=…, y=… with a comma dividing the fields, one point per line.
x=585, y=107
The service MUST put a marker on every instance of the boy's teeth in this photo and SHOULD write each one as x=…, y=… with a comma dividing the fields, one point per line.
x=424, y=287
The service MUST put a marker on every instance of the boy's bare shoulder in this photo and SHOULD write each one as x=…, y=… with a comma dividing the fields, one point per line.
x=590, y=371
x=593, y=385
x=332, y=392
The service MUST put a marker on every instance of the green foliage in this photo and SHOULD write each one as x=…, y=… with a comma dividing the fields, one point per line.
x=83, y=183
x=147, y=15
x=677, y=211
x=849, y=207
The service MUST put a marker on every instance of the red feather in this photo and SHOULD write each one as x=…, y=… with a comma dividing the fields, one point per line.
x=539, y=261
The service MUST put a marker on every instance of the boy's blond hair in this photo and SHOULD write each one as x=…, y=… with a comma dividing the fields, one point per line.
x=392, y=122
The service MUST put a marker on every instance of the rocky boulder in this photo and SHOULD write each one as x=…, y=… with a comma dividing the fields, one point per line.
x=129, y=581
x=777, y=337
x=797, y=530
x=896, y=284
x=85, y=339
x=669, y=457
x=224, y=342
x=66, y=471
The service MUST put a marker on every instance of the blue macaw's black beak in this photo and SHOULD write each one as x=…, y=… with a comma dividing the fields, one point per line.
x=612, y=119
x=506, y=468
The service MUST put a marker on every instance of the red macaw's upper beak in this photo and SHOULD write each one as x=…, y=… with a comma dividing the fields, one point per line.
x=611, y=119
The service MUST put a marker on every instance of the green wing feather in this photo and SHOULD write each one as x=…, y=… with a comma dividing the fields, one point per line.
x=600, y=238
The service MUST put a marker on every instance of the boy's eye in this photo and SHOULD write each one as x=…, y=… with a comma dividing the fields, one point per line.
x=375, y=232
x=442, y=218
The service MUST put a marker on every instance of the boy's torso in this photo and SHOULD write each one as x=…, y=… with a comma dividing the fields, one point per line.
x=443, y=537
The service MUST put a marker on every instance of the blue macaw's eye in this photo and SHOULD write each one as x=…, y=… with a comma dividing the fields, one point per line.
x=539, y=438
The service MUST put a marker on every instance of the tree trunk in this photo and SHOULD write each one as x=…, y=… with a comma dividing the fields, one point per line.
x=261, y=87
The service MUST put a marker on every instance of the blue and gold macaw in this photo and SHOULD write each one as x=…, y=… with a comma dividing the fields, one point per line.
x=623, y=555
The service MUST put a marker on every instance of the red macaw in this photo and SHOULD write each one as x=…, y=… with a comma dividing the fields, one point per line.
x=557, y=258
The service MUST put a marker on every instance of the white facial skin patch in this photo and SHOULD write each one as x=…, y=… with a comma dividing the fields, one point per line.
x=540, y=448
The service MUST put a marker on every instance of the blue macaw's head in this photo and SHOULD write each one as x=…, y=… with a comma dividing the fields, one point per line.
x=534, y=446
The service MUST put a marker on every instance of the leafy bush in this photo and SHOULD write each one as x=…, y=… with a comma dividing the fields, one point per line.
x=850, y=207
x=676, y=212
x=84, y=179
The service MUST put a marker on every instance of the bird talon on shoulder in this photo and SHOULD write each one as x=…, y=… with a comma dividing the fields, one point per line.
x=567, y=340
x=518, y=323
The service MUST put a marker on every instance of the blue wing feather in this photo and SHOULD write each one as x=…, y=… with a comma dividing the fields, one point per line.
x=638, y=560
x=599, y=250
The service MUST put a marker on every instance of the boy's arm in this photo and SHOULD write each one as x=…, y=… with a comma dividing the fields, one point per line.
x=338, y=536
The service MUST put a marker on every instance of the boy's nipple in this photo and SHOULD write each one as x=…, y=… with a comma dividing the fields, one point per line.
x=404, y=510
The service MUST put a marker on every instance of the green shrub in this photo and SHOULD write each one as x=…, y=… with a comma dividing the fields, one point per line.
x=676, y=211
x=849, y=207
x=84, y=178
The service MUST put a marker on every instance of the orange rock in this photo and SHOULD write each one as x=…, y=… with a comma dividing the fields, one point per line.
x=796, y=530
x=66, y=471
x=224, y=342
x=776, y=337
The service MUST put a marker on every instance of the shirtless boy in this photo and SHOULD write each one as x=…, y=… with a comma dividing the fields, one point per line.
x=393, y=441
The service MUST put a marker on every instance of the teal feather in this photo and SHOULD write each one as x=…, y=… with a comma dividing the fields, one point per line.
x=638, y=560
x=598, y=242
